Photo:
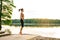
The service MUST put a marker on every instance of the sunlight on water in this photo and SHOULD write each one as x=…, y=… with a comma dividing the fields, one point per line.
x=47, y=32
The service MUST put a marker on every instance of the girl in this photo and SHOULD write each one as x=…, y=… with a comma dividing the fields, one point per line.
x=21, y=19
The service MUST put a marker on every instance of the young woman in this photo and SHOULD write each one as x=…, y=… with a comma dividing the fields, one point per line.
x=21, y=19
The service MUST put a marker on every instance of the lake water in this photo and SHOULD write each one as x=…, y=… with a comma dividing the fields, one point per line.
x=53, y=32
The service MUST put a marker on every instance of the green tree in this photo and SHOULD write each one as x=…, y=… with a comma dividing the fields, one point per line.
x=6, y=13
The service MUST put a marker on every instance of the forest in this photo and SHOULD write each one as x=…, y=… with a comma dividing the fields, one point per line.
x=37, y=22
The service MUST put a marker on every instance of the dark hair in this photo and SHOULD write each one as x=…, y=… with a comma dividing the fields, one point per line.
x=21, y=9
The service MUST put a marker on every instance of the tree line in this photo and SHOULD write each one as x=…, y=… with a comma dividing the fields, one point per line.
x=55, y=21
x=31, y=22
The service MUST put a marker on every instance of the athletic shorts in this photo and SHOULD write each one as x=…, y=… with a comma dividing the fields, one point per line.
x=22, y=23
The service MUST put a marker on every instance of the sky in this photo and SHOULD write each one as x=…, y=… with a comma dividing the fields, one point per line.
x=49, y=9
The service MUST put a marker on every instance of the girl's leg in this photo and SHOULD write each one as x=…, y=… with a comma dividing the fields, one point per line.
x=21, y=30
x=22, y=24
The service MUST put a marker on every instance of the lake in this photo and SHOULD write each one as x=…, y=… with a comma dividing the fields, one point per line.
x=53, y=32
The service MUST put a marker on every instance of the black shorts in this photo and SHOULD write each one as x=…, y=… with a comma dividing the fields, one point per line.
x=22, y=23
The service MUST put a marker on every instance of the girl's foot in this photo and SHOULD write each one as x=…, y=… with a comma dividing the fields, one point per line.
x=20, y=33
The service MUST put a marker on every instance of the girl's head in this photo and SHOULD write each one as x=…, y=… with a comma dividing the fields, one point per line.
x=22, y=10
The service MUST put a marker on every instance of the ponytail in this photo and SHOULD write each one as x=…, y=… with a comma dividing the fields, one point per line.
x=19, y=9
